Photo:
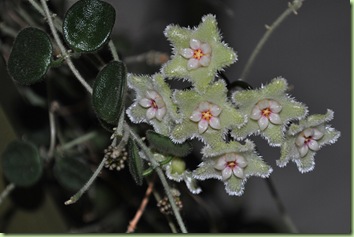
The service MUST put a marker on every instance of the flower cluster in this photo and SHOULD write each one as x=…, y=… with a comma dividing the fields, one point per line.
x=223, y=123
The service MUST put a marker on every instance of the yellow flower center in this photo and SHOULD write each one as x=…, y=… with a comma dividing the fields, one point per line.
x=266, y=112
x=206, y=115
x=197, y=54
x=231, y=164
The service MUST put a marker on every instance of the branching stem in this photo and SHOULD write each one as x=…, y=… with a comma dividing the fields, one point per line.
x=6, y=192
x=292, y=8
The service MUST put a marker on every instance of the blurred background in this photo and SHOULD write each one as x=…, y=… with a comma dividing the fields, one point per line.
x=311, y=50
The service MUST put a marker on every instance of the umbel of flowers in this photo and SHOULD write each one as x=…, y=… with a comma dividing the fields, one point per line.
x=205, y=112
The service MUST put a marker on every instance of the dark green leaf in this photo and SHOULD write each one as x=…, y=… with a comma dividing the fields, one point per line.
x=88, y=24
x=21, y=163
x=165, y=146
x=30, y=57
x=109, y=91
x=135, y=163
x=71, y=172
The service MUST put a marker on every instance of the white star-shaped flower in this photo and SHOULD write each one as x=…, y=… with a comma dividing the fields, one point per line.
x=198, y=54
x=265, y=111
x=231, y=163
x=206, y=114
x=307, y=139
x=155, y=104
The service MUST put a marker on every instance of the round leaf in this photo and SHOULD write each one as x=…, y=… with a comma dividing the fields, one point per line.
x=109, y=91
x=71, y=172
x=88, y=24
x=21, y=163
x=31, y=56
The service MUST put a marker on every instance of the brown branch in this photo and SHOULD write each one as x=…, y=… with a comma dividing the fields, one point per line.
x=133, y=223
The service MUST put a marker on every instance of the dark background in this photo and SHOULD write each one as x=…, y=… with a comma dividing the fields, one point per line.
x=311, y=50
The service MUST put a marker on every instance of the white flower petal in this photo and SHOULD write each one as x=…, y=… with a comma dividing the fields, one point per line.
x=194, y=43
x=205, y=60
x=226, y=173
x=203, y=106
x=202, y=126
x=151, y=113
x=215, y=110
x=308, y=132
x=151, y=94
x=274, y=106
x=161, y=113
x=313, y=145
x=159, y=102
x=196, y=116
x=256, y=113
x=263, y=123
x=146, y=103
x=221, y=164
x=238, y=172
x=241, y=161
x=187, y=53
x=205, y=48
x=317, y=134
x=214, y=123
x=300, y=140
x=263, y=104
x=192, y=63
x=303, y=150
x=275, y=118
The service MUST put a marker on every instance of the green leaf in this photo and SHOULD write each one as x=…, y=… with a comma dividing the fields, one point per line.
x=165, y=146
x=71, y=172
x=88, y=25
x=135, y=163
x=109, y=91
x=30, y=57
x=21, y=163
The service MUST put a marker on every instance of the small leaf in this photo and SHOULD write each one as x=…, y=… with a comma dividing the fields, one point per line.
x=88, y=24
x=165, y=146
x=135, y=163
x=21, y=163
x=109, y=91
x=71, y=172
x=31, y=56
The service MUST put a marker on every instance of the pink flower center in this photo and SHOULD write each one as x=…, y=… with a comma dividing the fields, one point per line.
x=206, y=115
x=198, y=54
x=153, y=104
x=231, y=164
x=266, y=112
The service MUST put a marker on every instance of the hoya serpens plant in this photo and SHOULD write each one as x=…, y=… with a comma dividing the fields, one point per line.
x=223, y=122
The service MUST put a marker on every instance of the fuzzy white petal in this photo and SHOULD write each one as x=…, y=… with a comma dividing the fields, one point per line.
x=196, y=116
x=187, y=53
x=317, y=134
x=263, y=104
x=151, y=94
x=159, y=102
x=275, y=118
x=221, y=164
x=192, y=63
x=308, y=132
x=274, y=106
x=313, y=145
x=202, y=126
x=205, y=48
x=226, y=173
x=161, y=113
x=194, y=43
x=238, y=172
x=214, y=123
x=146, y=103
x=303, y=150
x=241, y=162
x=205, y=60
x=263, y=123
x=215, y=110
x=256, y=113
x=300, y=140
x=151, y=113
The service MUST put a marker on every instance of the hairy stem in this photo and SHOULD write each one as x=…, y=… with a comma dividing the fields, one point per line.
x=113, y=50
x=6, y=192
x=163, y=180
x=62, y=48
x=292, y=8
x=76, y=141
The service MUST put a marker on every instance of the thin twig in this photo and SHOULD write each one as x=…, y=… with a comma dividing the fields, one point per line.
x=163, y=180
x=120, y=147
x=287, y=220
x=6, y=192
x=133, y=223
x=62, y=48
x=76, y=141
x=113, y=50
x=52, y=109
x=292, y=8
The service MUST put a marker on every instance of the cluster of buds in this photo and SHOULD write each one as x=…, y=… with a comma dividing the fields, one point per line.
x=115, y=159
x=165, y=206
